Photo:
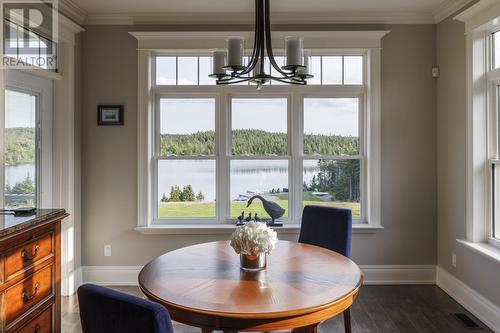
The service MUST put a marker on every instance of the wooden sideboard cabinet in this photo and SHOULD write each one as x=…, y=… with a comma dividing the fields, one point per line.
x=30, y=272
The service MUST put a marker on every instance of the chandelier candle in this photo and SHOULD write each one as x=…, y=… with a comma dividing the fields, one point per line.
x=294, y=47
x=306, y=70
x=218, y=62
x=235, y=52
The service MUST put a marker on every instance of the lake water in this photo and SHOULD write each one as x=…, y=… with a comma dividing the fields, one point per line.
x=255, y=176
x=249, y=175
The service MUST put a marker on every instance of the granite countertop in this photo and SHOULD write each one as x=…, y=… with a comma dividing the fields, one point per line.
x=10, y=223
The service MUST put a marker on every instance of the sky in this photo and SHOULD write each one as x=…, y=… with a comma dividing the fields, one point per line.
x=20, y=109
x=324, y=116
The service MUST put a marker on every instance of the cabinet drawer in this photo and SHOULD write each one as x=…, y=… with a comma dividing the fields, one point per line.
x=28, y=254
x=40, y=324
x=27, y=293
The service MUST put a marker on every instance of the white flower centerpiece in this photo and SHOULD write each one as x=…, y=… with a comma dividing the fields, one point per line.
x=253, y=241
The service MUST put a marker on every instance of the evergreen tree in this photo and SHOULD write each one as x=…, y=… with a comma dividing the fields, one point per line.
x=187, y=194
x=200, y=197
x=164, y=198
x=175, y=193
x=27, y=186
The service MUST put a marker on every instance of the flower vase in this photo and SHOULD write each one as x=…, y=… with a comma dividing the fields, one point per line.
x=253, y=262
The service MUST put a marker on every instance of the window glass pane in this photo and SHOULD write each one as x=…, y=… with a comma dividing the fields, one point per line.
x=166, y=70
x=332, y=70
x=496, y=50
x=188, y=70
x=268, y=178
x=315, y=70
x=20, y=149
x=331, y=126
x=205, y=71
x=353, y=70
x=186, y=188
x=187, y=126
x=496, y=201
x=333, y=183
x=259, y=126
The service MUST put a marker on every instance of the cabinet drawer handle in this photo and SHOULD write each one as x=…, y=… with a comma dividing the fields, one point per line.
x=38, y=329
x=27, y=297
x=27, y=256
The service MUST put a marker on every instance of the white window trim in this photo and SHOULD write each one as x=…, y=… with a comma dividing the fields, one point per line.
x=42, y=88
x=150, y=43
x=481, y=20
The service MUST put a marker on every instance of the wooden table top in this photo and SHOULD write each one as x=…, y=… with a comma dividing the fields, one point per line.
x=206, y=279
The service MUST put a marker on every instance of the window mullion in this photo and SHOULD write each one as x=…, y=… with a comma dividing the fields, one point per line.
x=223, y=186
x=296, y=137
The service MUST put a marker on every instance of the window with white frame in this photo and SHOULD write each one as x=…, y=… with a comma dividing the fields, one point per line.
x=483, y=116
x=217, y=146
x=494, y=134
x=205, y=149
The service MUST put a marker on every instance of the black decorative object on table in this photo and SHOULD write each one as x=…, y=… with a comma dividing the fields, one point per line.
x=23, y=211
x=249, y=217
x=240, y=219
x=110, y=115
x=274, y=210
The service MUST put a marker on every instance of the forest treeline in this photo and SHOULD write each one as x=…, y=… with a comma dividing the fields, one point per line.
x=256, y=142
x=19, y=145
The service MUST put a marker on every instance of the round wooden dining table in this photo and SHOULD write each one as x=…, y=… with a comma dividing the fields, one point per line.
x=203, y=286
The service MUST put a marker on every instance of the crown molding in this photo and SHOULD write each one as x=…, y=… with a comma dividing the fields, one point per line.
x=482, y=16
x=72, y=11
x=248, y=18
x=196, y=40
x=448, y=8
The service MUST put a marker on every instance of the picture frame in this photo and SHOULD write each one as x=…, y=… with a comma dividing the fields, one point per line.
x=110, y=115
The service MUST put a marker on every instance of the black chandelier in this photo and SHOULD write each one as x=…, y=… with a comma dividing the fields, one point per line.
x=295, y=71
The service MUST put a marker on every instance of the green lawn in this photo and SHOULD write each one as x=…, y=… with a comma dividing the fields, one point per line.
x=207, y=209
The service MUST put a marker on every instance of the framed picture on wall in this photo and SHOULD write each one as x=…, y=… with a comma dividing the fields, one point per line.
x=110, y=115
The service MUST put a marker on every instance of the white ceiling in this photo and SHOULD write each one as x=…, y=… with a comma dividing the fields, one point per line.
x=241, y=11
x=231, y=6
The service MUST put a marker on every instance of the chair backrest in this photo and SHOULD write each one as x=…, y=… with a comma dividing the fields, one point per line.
x=107, y=310
x=327, y=227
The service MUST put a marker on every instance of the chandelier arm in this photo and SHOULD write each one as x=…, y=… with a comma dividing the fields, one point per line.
x=255, y=55
x=269, y=45
x=263, y=41
x=233, y=80
x=289, y=81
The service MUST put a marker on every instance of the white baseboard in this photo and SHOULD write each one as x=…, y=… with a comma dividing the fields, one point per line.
x=374, y=274
x=111, y=275
x=71, y=282
x=470, y=299
x=399, y=274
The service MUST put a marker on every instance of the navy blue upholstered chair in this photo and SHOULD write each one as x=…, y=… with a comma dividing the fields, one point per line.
x=107, y=310
x=330, y=228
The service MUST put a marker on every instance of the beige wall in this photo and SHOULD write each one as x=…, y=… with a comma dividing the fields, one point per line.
x=109, y=63
x=473, y=269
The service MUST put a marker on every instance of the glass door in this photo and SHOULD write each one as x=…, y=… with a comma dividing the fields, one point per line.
x=27, y=141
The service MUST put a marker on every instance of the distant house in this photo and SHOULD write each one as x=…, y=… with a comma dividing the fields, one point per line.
x=324, y=196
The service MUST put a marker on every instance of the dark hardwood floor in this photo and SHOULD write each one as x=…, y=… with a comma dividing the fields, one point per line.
x=404, y=309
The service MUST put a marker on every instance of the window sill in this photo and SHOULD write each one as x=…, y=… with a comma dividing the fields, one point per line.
x=227, y=229
x=485, y=249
